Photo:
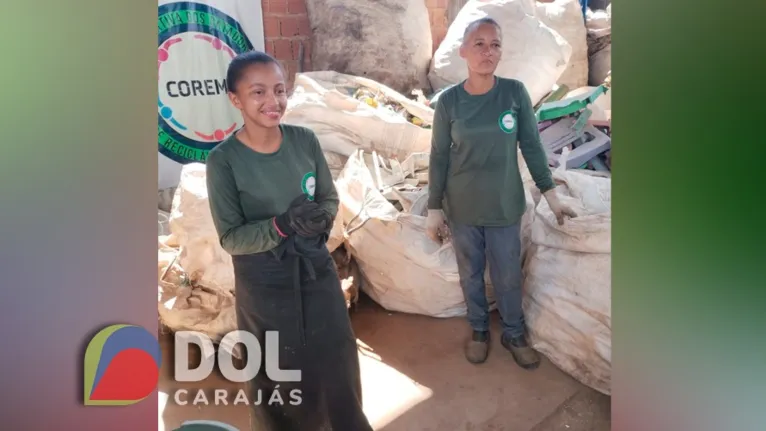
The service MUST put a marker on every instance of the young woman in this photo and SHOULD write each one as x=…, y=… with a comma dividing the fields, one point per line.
x=475, y=180
x=273, y=203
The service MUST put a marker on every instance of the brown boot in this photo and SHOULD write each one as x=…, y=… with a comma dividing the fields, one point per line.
x=524, y=355
x=477, y=348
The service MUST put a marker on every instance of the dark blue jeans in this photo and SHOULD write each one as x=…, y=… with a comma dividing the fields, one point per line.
x=475, y=246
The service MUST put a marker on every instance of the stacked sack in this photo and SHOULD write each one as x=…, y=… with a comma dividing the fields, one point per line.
x=599, y=26
x=533, y=53
x=567, y=301
x=565, y=17
x=389, y=42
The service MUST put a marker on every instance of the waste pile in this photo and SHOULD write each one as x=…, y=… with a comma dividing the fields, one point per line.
x=376, y=99
x=377, y=144
x=579, y=123
x=349, y=112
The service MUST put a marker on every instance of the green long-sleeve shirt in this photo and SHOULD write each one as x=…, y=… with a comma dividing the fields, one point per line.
x=474, y=171
x=246, y=189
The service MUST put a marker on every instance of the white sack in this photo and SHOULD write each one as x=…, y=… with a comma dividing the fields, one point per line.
x=567, y=285
x=336, y=235
x=403, y=269
x=532, y=52
x=335, y=162
x=191, y=225
x=389, y=41
x=600, y=64
x=599, y=22
x=184, y=308
x=323, y=102
x=565, y=17
x=199, y=310
x=599, y=27
x=163, y=223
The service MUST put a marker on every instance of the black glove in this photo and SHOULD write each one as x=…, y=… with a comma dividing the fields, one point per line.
x=313, y=223
x=287, y=223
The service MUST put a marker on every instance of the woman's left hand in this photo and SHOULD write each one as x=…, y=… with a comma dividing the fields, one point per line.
x=559, y=210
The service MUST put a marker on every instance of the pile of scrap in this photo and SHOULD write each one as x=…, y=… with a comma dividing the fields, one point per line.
x=402, y=183
x=580, y=125
x=377, y=99
x=348, y=113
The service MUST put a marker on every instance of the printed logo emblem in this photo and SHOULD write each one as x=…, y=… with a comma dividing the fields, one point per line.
x=121, y=367
x=309, y=184
x=507, y=122
x=196, y=44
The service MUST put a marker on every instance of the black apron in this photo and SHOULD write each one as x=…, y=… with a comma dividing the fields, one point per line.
x=295, y=290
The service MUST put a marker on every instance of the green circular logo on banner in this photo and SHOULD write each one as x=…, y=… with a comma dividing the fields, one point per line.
x=507, y=122
x=309, y=185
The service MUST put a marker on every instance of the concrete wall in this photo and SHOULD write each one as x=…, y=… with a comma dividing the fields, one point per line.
x=286, y=25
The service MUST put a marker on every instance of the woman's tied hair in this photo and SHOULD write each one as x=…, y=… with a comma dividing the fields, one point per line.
x=240, y=63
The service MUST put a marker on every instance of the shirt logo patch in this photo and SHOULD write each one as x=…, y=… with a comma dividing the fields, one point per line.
x=507, y=122
x=309, y=185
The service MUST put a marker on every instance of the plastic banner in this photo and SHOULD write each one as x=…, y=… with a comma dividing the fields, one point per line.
x=197, y=41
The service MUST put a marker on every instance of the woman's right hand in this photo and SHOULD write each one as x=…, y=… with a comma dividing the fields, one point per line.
x=434, y=222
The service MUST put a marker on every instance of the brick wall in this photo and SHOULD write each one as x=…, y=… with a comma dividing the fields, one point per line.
x=286, y=25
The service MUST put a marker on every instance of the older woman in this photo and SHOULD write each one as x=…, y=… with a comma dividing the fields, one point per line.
x=475, y=182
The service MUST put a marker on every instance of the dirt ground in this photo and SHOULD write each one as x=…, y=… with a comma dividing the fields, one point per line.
x=415, y=378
